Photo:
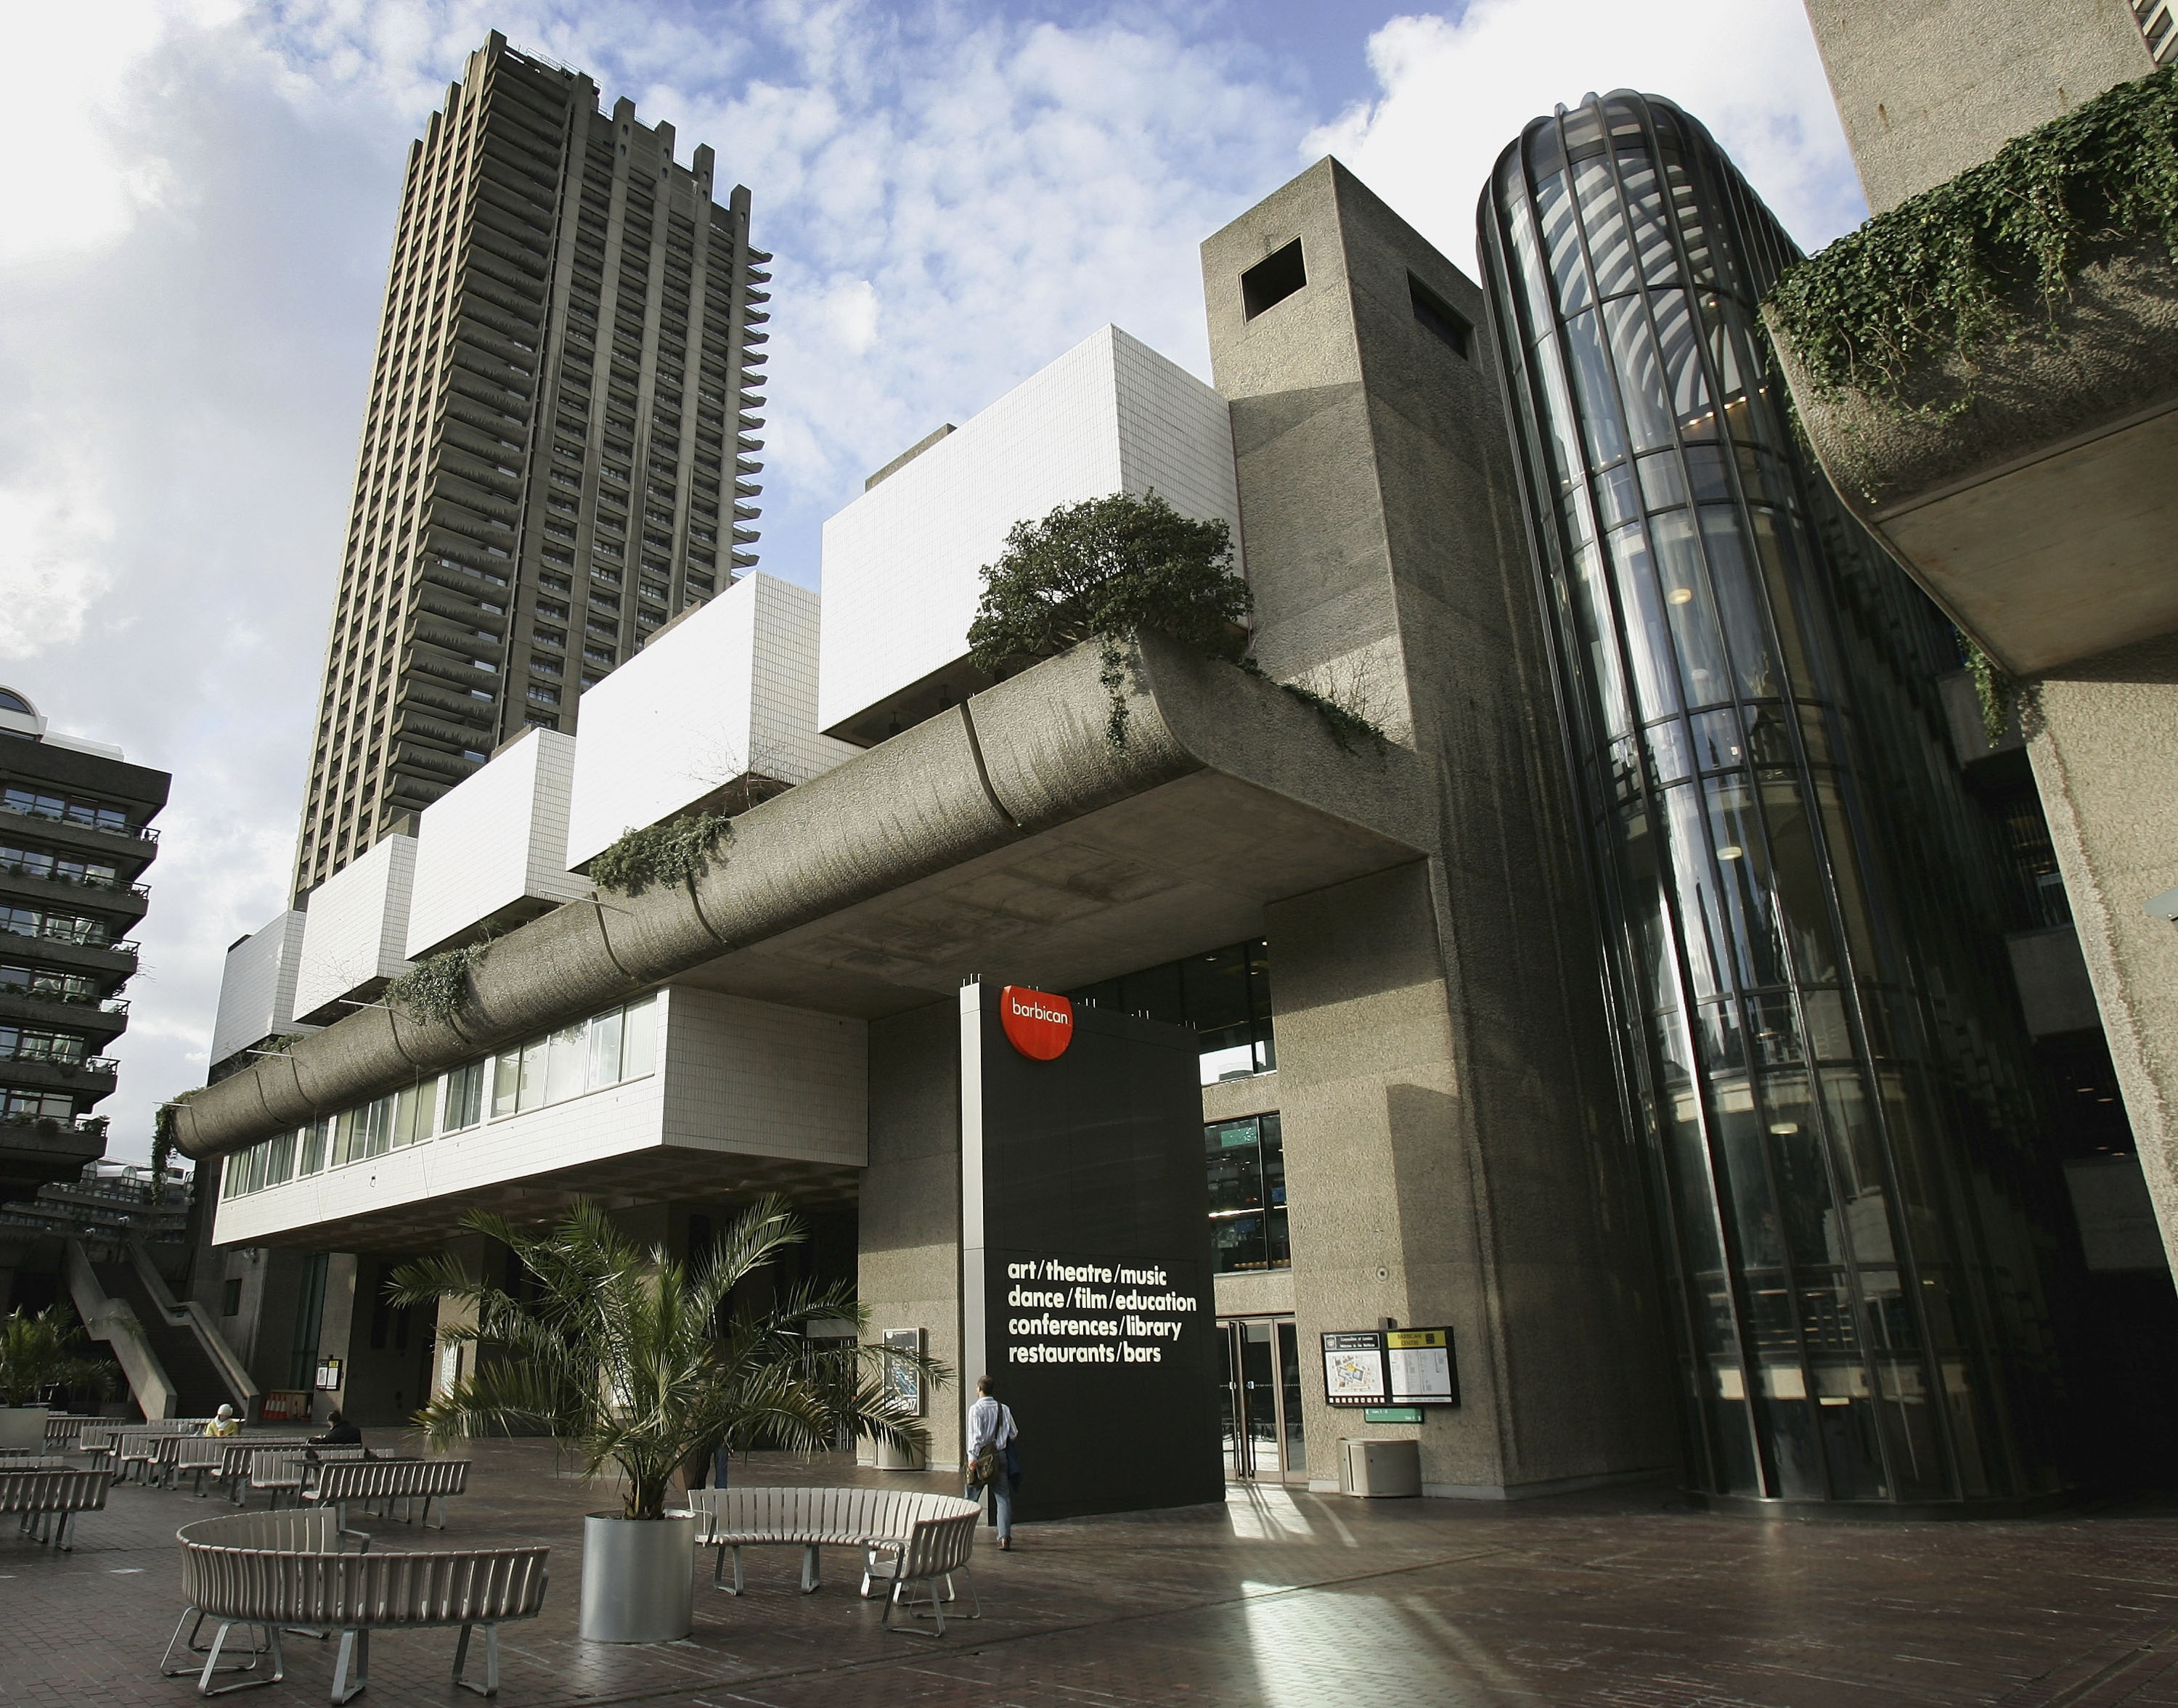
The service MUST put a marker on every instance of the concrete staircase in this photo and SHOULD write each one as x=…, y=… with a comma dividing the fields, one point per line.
x=176, y=1362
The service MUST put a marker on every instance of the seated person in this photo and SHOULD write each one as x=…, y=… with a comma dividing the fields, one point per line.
x=225, y=1423
x=339, y=1433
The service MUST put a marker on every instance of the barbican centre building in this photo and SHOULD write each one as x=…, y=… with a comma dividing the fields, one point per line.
x=1616, y=1071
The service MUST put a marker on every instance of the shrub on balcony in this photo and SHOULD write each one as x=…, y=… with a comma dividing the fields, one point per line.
x=1962, y=269
x=1098, y=569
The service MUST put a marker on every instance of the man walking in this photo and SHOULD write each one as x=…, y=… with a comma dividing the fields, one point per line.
x=992, y=1462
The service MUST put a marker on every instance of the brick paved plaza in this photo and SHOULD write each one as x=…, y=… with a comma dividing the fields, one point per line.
x=1624, y=1598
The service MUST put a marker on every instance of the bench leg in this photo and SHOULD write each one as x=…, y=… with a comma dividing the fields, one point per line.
x=211, y=1663
x=809, y=1580
x=355, y=1648
x=718, y=1568
x=60, y=1543
x=490, y=1685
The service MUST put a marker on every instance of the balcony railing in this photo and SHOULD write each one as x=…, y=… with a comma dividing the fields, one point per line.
x=141, y=833
x=117, y=886
x=94, y=1125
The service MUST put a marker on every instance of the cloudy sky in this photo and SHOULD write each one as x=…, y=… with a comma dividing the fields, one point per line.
x=194, y=241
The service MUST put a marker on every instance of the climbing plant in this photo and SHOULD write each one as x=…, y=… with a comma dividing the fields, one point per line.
x=437, y=988
x=679, y=851
x=1994, y=686
x=1941, y=273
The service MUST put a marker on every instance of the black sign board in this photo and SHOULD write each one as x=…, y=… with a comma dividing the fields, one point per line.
x=1390, y=1366
x=1087, y=1262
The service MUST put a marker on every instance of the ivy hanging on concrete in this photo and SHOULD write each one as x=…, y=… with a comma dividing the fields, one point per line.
x=437, y=988
x=1995, y=688
x=679, y=851
x=1943, y=273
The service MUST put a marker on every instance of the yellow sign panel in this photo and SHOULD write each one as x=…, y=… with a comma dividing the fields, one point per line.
x=1399, y=1339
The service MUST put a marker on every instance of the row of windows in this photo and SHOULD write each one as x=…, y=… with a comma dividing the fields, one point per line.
x=34, y=1043
x=65, y=810
x=60, y=928
x=47, y=985
x=589, y=1055
x=36, y=863
x=51, y=1106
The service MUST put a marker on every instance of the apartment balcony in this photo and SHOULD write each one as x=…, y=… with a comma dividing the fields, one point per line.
x=114, y=962
x=98, y=1019
x=131, y=850
x=2023, y=476
x=120, y=903
x=89, y=1080
x=38, y=1150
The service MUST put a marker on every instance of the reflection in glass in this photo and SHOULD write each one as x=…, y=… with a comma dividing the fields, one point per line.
x=1779, y=921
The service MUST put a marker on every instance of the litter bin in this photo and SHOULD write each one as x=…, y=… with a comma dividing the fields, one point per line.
x=1379, y=1468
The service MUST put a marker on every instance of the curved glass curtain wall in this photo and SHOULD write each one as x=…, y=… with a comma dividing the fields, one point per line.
x=1803, y=997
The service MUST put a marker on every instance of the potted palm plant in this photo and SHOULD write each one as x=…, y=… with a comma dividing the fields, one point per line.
x=640, y=1365
x=36, y=1352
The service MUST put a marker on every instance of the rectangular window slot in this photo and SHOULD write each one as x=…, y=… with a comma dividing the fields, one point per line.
x=1272, y=280
x=1439, y=318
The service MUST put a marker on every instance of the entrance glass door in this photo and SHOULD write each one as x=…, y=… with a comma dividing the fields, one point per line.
x=1260, y=1404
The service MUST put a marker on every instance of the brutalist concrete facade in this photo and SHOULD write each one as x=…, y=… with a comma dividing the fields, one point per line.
x=557, y=453
x=2098, y=722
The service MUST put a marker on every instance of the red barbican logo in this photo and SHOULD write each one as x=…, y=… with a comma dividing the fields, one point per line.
x=1037, y=1024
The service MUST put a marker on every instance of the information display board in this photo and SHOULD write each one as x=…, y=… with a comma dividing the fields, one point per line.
x=1395, y=1366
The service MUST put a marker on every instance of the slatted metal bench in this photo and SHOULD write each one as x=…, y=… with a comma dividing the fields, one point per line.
x=280, y=1571
x=233, y=1472
x=878, y=1521
x=386, y=1480
x=63, y=1429
x=282, y=1470
x=48, y=1498
x=935, y=1550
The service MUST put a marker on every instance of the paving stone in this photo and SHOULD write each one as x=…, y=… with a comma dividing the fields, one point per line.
x=1615, y=1599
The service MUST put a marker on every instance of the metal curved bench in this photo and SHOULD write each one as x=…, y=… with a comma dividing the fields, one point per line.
x=281, y=1571
x=42, y=1495
x=878, y=1521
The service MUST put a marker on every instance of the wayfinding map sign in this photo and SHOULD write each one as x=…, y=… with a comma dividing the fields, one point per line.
x=1390, y=1366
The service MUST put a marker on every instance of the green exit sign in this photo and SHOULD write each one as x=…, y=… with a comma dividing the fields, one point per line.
x=1393, y=1414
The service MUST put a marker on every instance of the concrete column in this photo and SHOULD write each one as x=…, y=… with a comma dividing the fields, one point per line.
x=909, y=1272
x=336, y=1326
x=2104, y=742
x=451, y=1361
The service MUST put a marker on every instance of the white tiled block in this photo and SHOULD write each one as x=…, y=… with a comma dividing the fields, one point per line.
x=257, y=989
x=357, y=928
x=495, y=841
x=731, y=1077
x=903, y=562
x=729, y=691
x=759, y=1078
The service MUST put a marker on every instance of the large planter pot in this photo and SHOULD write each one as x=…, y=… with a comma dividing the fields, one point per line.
x=638, y=1578
x=23, y=1427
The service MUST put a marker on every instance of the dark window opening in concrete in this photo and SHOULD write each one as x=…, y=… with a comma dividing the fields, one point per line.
x=1272, y=280
x=230, y=1302
x=1224, y=994
x=1246, y=1162
x=1439, y=318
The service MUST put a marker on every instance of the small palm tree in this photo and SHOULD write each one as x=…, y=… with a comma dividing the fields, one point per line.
x=39, y=1350
x=622, y=1354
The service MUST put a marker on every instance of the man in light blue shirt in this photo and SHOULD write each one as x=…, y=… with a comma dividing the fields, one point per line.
x=991, y=1428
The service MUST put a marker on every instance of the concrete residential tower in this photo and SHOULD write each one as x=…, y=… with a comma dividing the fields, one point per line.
x=556, y=456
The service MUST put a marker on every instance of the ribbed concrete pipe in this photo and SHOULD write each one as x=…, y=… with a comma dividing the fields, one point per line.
x=919, y=804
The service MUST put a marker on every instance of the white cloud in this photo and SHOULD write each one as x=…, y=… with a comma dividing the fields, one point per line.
x=1456, y=90
x=953, y=198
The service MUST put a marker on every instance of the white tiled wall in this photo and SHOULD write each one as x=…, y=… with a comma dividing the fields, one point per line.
x=357, y=926
x=733, y=1076
x=742, y=1075
x=494, y=838
x=730, y=690
x=257, y=989
x=903, y=562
